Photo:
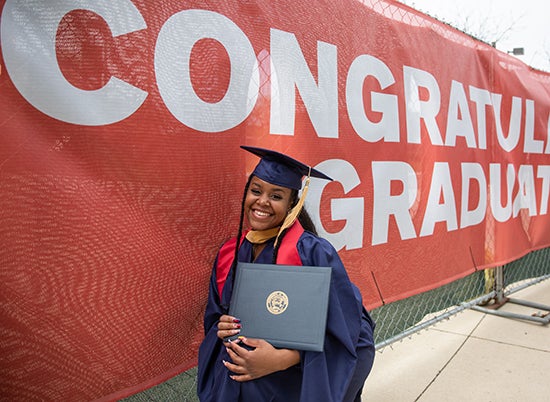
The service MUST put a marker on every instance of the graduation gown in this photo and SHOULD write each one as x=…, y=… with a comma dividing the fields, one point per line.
x=336, y=374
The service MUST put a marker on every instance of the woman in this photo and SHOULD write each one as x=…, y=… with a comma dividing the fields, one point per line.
x=281, y=233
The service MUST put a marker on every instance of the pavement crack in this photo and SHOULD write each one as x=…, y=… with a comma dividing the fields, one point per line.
x=449, y=360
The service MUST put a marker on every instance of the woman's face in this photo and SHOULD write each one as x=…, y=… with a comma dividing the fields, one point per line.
x=266, y=205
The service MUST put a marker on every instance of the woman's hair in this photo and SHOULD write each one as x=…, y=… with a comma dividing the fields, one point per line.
x=306, y=221
x=307, y=224
x=241, y=219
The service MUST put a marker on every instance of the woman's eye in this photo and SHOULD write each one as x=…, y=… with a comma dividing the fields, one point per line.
x=276, y=197
x=255, y=191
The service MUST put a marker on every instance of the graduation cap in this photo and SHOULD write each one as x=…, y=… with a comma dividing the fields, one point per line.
x=282, y=170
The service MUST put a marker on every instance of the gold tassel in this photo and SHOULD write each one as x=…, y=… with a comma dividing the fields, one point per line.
x=294, y=212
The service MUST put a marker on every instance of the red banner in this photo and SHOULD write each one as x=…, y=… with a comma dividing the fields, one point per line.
x=121, y=173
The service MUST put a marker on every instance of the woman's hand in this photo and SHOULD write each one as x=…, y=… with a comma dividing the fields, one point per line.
x=264, y=359
x=228, y=326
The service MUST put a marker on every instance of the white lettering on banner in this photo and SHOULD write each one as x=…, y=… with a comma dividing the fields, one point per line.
x=321, y=101
x=531, y=145
x=441, y=204
x=172, y=59
x=543, y=172
x=471, y=217
x=482, y=99
x=30, y=57
x=510, y=142
x=525, y=198
x=29, y=52
x=28, y=47
x=441, y=188
x=459, y=121
x=349, y=209
x=501, y=212
x=418, y=109
x=385, y=204
x=385, y=104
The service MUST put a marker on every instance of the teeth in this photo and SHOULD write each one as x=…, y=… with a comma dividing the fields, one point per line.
x=261, y=213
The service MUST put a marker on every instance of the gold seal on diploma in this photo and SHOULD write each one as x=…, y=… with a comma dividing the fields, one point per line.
x=277, y=302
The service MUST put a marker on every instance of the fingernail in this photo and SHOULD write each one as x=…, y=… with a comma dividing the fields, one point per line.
x=236, y=320
x=238, y=326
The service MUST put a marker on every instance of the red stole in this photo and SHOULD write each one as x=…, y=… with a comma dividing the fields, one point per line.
x=287, y=255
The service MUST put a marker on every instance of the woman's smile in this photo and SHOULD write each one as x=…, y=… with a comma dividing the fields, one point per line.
x=260, y=213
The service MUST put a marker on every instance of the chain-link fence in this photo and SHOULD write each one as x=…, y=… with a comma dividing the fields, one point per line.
x=404, y=317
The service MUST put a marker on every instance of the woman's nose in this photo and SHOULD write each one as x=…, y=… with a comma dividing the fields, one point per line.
x=263, y=200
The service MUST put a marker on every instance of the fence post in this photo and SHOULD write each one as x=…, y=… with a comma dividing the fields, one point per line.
x=501, y=299
x=499, y=285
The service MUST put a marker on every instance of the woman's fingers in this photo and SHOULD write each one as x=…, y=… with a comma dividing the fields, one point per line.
x=239, y=373
x=228, y=326
x=235, y=350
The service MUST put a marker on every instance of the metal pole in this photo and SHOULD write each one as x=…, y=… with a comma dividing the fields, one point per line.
x=499, y=285
x=501, y=299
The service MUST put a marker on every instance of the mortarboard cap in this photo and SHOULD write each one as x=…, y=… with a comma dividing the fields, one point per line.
x=280, y=169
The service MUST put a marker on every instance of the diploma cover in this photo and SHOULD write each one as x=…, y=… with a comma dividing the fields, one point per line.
x=285, y=305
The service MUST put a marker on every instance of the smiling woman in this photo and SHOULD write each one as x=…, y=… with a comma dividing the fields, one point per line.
x=282, y=233
x=266, y=205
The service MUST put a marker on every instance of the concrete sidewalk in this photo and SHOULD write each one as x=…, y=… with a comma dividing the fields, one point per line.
x=472, y=356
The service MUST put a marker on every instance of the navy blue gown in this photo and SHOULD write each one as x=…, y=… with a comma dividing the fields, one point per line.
x=337, y=374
